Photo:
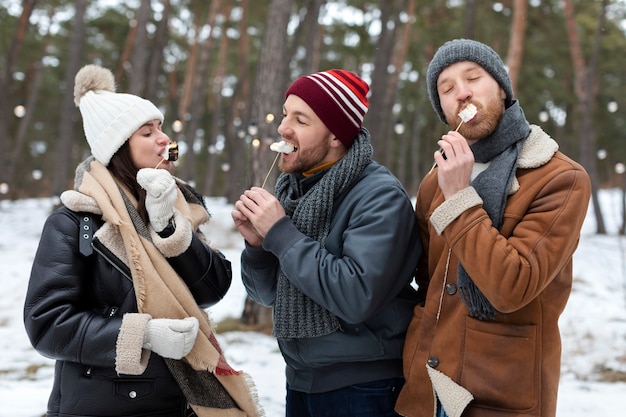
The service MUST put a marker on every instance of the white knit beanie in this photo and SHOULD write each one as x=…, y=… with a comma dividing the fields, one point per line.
x=109, y=118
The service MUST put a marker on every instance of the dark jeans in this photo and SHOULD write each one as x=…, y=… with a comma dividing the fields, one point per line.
x=372, y=399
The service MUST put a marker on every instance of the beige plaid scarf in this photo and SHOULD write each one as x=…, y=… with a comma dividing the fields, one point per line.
x=211, y=386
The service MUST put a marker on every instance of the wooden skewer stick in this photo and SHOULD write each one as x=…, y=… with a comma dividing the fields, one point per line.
x=159, y=163
x=270, y=170
x=459, y=126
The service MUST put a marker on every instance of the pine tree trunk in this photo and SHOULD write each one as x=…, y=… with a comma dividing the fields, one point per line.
x=585, y=92
x=268, y=98
x=64, y=163
x=516, y=43
x=6, y=87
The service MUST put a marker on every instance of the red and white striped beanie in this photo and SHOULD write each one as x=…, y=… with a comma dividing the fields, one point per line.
x=338, y=97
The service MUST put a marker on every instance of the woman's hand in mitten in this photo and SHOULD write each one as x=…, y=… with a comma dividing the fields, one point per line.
x=161, y=195
x=171, y=338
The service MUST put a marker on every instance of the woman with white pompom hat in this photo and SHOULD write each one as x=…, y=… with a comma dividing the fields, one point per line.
x=122, y=276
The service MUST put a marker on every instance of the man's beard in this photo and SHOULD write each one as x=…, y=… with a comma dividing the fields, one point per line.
x=490, y=118
x=303, y=162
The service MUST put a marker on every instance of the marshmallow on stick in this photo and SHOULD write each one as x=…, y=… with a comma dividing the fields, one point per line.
x=280, y=147
x=170, y=153
x=467, y=114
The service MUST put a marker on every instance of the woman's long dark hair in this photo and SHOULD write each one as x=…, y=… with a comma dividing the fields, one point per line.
x=124, y=170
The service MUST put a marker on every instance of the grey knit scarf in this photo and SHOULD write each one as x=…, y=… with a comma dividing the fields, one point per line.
x=502, y=148
x=295, y=314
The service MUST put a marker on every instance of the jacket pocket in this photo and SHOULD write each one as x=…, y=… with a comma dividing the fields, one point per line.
x=135, y=389
x=501, y=365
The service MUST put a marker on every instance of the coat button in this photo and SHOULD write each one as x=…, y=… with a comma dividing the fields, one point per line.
x=132, y=394
x=451, y=289
x=433, y=361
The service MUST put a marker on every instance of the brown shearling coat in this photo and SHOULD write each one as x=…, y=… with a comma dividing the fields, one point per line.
x=510, y=366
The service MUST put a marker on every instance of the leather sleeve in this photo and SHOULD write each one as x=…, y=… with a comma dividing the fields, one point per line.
x=206, y=271
x=60, y=316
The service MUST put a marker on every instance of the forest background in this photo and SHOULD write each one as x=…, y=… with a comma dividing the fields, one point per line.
x=219, y=69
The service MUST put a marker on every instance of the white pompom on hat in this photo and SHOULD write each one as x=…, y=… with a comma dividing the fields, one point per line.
x=109, y=118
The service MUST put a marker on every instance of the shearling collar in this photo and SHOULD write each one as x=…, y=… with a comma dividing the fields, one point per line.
x=79, y=202
x=536, y=151
x=92, y=194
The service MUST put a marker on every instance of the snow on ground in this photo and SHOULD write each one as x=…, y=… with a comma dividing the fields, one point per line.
x=593, y=325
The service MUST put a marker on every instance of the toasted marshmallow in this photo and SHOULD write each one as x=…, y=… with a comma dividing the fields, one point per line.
x=282, y=147
x=171, y=152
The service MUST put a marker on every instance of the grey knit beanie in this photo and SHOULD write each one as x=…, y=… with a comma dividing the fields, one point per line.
x=458, y=50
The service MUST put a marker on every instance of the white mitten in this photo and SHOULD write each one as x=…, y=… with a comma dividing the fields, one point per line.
x=171, y=338
x=161, y=195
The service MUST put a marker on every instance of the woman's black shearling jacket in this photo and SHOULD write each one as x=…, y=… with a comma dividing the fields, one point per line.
x=73, y=314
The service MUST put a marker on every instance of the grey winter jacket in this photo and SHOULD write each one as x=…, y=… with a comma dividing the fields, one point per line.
x=362, y=275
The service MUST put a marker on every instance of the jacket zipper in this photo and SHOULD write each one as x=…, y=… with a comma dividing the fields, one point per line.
x=112, y=262
x=443, y=287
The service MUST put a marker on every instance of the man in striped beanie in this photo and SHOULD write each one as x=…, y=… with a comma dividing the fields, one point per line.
x=333, y=252
x=338, y=97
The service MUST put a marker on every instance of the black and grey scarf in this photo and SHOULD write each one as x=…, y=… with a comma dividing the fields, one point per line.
x=502, y=149
x=295, y=314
